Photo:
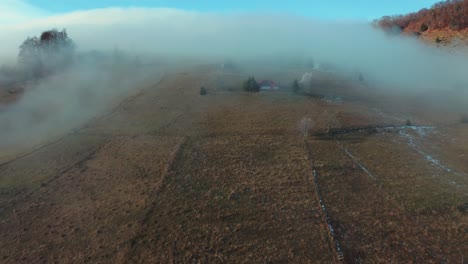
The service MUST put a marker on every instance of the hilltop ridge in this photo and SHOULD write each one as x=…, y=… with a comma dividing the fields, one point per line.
x=445, y=23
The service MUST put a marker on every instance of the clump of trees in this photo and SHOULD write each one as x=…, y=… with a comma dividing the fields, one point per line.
x=451, y=14
x=251, y=85
x=39, y=56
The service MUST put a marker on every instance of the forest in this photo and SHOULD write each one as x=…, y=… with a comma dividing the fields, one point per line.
x=450, y=14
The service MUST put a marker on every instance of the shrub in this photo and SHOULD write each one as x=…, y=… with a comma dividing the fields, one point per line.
x=251, y=85
x=423, y=27
x=296, y=87
x=203, y=90
x=408, y=123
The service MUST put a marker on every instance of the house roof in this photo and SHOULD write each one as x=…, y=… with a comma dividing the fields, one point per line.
x=267, y=83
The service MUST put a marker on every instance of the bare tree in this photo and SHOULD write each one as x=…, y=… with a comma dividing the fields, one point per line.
x=305, y=125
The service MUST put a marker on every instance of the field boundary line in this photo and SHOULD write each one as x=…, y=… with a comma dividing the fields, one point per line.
x=356, y=161
x=169, y=170
x=57, y=176
x=333, y=240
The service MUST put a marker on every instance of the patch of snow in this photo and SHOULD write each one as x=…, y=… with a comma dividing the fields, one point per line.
x=412, y=142
x=421, y=130
x=332, y=99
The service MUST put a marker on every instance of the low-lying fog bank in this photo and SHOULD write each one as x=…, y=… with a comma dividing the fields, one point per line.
x=254, y=41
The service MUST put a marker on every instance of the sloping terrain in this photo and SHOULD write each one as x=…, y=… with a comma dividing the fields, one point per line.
x=444, y=23
x=172, y=176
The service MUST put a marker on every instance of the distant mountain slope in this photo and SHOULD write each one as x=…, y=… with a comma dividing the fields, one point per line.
x=444, y=23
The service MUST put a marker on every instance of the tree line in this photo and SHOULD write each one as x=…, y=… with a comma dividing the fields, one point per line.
x=452, y=14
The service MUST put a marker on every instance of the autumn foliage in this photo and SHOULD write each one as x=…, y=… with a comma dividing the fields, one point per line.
x=452, y=14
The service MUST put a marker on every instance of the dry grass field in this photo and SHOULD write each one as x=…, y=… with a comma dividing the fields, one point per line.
x=170, y=176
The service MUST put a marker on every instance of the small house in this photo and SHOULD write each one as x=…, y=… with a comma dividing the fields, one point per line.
x=268, y=85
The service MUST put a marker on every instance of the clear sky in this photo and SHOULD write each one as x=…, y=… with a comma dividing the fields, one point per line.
x=325, y=9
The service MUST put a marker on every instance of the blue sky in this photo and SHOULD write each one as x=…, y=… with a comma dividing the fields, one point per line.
x=325, y=9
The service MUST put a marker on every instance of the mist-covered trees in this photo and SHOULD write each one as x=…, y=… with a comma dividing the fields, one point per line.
x=295, y=86
x=251, y=85
x=360, y=77
x=53, y=50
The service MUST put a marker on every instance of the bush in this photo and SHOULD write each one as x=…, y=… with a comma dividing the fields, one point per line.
x=296, y=87
x=203, y=91
x=423, y=28
x=251, y=85
x=408, y=123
